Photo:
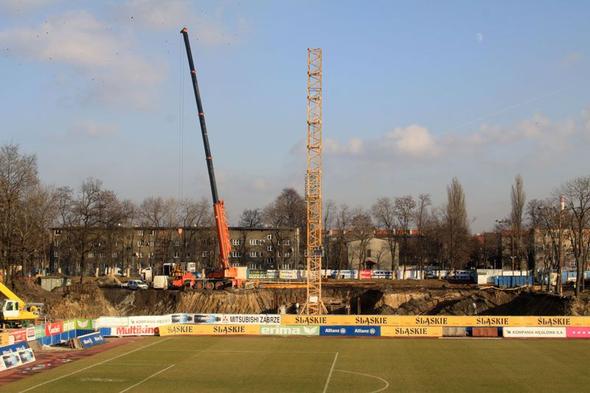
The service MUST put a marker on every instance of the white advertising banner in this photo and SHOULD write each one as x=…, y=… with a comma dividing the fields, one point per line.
x=150, y=320
x=111, y=322
x=227, y=319
x=288, y=274
x=534, y=332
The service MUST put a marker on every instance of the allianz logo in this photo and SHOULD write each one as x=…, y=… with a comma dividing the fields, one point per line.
x=370, y=331
x=290, y=330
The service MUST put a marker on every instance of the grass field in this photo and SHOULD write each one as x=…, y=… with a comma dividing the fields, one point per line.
x=266, y=364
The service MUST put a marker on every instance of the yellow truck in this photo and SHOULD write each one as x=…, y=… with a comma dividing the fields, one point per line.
x=15, y=311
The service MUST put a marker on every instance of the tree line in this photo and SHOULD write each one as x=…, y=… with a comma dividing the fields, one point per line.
x=420, y=233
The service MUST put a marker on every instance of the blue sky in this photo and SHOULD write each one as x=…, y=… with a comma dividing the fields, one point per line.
x=414, y=94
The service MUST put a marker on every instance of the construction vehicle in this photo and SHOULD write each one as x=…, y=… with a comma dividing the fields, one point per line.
x=15, y=311
x=225, y=275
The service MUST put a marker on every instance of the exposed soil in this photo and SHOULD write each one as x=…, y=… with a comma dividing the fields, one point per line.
x=388, y=298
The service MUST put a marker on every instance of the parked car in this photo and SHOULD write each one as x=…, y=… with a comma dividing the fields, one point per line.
x=135, y=284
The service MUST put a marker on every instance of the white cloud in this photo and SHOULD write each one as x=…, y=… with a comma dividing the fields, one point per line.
x=353, y=147
x=174, y=14
x=539, y=136
x=93, y=129
x=17, y=6
x=115, y=73
x=479, y=37
x=413, y=140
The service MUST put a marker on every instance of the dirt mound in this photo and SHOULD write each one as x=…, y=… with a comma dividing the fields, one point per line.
x=79, y=301
x=28, y=290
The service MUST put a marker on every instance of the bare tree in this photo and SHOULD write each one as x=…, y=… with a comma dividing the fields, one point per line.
x=405, y=211
x=362, y=230
x=518, y=199
x=342, y=226
x=577, y=194
x=251, y=218
x=82, y=220
x=287, y=210
x=385, y=216
x=421, y=219
x=18, y=176
x=456, y=227
x=543, y=221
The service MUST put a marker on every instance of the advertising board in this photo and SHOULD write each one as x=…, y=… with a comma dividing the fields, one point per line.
x=52, y=328
x=350, y=330
x=30, y=333
x=208, y=330
x=577, y=332
x=39, y=331
x=15, y=355
x=150, y=320
x=84, y=324
x=534, y=332
x=90, y=340
x=435, y=320
x=69, y=325
x=16, y=336
x=137, y=330
x=111, y=322
x=292, y=330
x=413, y=331
x=226, y=319
x=288, y=274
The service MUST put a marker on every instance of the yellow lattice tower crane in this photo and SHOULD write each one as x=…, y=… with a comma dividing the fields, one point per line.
x=313, y=185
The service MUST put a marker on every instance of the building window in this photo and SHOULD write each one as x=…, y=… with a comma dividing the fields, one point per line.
x=269, y=236
x=368, y=253
x=270, y=260
x=188, y=254
x=139, y=243
x=286, y=242
x=287, y=254
x=140, y=254
x=55, y=254
x=236, y=242
x=205, y=254
x=90, y=254
x=236, y=254
x=57, y=232
x=256, y=242
x=176, y=254
x=114, y=255
x=255, y=254
x=139, y=233
x=151, y=233
x=269, y=248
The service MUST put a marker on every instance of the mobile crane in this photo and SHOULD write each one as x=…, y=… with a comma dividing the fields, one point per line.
x=15, y=311
x=226, y=275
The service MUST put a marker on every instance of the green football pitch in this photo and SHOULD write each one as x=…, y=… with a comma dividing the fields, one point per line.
x=296, y=364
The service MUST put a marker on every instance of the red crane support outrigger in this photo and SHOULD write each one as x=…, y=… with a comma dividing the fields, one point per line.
x=226, y=275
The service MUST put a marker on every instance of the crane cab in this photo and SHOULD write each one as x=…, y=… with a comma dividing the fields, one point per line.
x=10, y=309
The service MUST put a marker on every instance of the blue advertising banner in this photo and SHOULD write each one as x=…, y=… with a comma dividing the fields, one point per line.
x=15, y=355
x=90, y=340
x=350, y=330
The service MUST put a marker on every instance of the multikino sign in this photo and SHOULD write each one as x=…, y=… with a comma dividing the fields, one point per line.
x=290, y=330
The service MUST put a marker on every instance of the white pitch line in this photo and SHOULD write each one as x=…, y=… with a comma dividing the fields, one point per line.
x=145, y=379
x=91, y=366
x=330, y=374
x=370, y=376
